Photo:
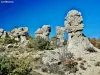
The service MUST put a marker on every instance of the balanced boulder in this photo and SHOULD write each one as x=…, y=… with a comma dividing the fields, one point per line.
x=78, y=43
x=43, y=32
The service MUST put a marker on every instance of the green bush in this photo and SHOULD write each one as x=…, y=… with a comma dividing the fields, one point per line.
x=1, y=41
x=14, y=66
x=54, y=42
x=39, y=44
x=9, y=41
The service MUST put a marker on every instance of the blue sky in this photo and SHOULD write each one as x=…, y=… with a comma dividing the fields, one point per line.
x=35, y=13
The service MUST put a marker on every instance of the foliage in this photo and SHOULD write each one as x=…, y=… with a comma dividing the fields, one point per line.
x=39, y=44
x=2, y=49
x=14, y=66
x=9, y=41
x=1, y=41
x=71, y=66
x=54, y=42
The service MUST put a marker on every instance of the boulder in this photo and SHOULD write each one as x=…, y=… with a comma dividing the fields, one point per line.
x=9, y=46
x=43, y=32
x=51, y=57
x=1, y=30
x=60, y=35
x=78, y=43
x=3, y=34
x=20, y=33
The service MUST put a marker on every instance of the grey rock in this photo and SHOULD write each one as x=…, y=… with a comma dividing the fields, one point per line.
x=9, y=46
x=73, y=21
x=43, y=32
x=78, y=43
x=3, y=34
x=21, y=31
x=60, y=35
x=1, y=30
x=51, y=57
x=19, y=34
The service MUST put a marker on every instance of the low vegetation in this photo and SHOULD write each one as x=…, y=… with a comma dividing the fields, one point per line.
x=38, y=43
x=14, y=66
x=7, y=41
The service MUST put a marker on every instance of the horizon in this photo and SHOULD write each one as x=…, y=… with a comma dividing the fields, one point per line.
x=34, y=14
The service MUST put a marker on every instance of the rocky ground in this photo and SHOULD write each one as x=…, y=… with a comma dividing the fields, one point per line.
x=21, y=54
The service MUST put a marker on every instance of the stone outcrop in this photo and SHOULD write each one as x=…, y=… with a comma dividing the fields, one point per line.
x=3, y=34
x=60, y=35
x=19, y=34
x=78, y=43
x=43, y=32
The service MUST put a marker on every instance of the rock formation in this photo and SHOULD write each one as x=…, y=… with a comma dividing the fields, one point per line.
x=78, y=43
x=60, y=35
x=19, y=34
x=43, y=32
x=3, y=34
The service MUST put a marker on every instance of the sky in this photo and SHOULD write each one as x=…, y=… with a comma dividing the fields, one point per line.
x=36, y=13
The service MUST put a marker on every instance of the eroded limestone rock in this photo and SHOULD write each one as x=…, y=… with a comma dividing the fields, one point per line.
x=19, y=34
x=60, y=35
x=78, y=43
x=43, y=32
x=3, y=34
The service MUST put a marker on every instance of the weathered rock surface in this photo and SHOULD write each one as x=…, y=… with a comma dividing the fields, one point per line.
x=19, y=34
x=78, y=43
x=60, y=35
x=43, y=32
x=79, y=57
x=3, y=34
x=83, y=55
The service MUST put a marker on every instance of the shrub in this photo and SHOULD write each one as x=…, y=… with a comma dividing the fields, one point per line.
x=1, y=41
x=2, y=49
x=39, y=44
x=70, y=66
x=9, y=41
x=14, y=66
x=54, y=42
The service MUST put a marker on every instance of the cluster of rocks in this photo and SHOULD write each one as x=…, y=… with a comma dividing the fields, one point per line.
x=63, y=60
x=3, y=34
x=76, y=53
x=43, y=32
x=78, y=43
x=19, y=34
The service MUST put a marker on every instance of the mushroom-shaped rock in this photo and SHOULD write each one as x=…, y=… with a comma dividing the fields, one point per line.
x=43, y=32
x=78, y=43
x=60, y=35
